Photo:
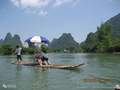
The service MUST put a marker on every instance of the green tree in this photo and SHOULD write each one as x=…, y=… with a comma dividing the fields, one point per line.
x=29, y=50
x=104, y=36
x=100, y=41
x=44, y=48
x=6, y=49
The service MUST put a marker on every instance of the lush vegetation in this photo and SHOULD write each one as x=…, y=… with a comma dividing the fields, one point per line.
x=99, y=41
x=105, y=39
x=6, y=49
x=102, y=40
x=115, y=25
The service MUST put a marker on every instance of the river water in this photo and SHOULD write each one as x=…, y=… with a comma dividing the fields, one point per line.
x=100, y=72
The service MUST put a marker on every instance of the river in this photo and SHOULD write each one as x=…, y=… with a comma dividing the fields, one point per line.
x=100, y=72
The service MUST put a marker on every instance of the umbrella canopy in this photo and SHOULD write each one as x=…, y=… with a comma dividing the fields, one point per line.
x=37, y=39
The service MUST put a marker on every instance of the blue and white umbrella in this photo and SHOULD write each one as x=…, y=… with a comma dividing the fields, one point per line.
x=37, y=39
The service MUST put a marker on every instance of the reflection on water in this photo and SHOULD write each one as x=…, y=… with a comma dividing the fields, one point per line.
x=101, y=72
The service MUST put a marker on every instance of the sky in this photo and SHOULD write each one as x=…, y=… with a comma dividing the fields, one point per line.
x=52, y=18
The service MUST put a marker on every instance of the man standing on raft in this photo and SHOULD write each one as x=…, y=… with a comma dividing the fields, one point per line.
x=18, y=53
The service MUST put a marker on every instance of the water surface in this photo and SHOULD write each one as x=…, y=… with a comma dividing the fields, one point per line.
x=101, y=72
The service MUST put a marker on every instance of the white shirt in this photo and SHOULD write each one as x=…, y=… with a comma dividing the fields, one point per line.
x=18, y=51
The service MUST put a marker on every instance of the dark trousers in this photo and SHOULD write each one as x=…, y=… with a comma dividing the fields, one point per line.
x=44, y=58
x=19, y=58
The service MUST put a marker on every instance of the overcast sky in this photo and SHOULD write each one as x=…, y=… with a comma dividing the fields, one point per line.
x=51, y=18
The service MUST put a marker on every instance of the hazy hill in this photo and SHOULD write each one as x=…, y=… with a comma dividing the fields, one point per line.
x=11, y=40
x=65, y=41
x=115, y=24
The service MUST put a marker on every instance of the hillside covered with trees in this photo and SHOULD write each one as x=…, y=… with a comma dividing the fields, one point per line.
x=105, y=39
x=64, y=43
